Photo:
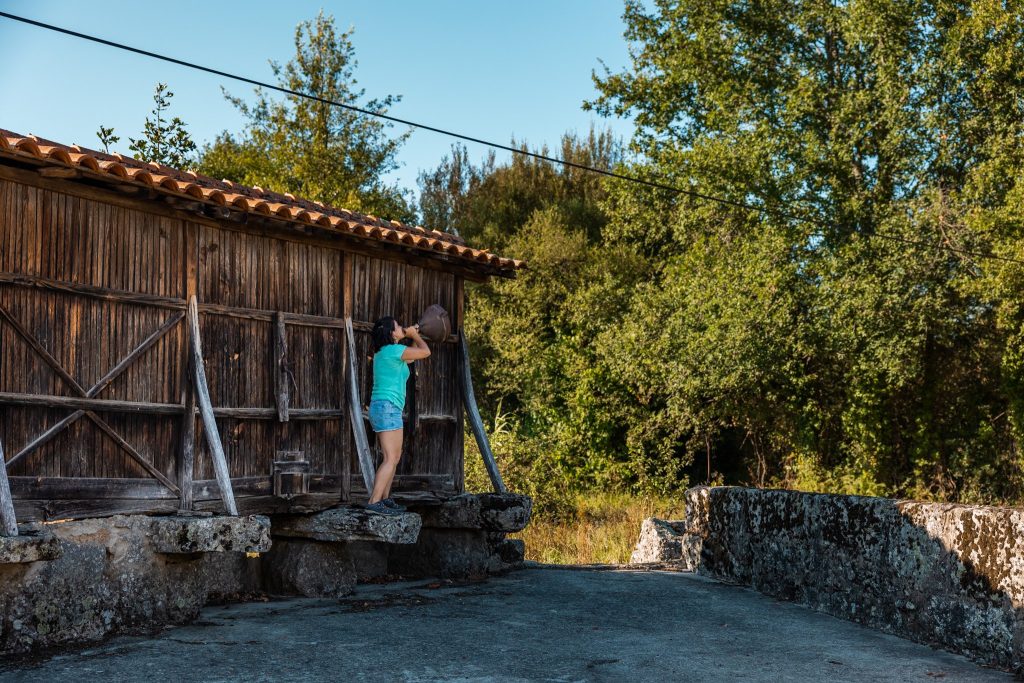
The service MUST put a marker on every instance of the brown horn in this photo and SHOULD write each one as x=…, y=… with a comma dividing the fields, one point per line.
x=434, y=324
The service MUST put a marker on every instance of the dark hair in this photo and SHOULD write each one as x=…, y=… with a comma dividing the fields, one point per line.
x=382, y=330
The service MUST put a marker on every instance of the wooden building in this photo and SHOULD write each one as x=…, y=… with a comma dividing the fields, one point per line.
x=100, y=256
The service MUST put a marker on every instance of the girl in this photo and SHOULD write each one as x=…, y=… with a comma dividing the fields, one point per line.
x=387, y=400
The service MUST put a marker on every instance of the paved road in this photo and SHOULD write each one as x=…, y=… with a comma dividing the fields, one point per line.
x=538, y=624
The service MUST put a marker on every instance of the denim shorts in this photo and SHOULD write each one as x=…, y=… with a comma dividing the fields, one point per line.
x=385, y=416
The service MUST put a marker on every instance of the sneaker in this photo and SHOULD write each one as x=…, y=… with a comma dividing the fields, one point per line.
x=390, y=502
x=381, y=508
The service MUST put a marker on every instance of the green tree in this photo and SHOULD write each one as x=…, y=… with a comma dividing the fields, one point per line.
x=843, y=351
x=165, y=142
x=558, y=419
x=311, y=148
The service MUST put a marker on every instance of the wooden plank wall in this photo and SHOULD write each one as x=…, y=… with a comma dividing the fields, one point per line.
x=62, y=237
x=261, y=274
x=382, y=288
x=240, y=280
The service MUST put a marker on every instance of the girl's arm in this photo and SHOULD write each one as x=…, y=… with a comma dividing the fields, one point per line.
x=419, y=350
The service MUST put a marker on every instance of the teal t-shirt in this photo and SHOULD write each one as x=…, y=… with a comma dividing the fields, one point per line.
x=390, y=373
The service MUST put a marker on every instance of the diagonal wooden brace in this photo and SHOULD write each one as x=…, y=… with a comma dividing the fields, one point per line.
x=103, y=382
x=220, y=461
x=356, y=412
x=96, y=389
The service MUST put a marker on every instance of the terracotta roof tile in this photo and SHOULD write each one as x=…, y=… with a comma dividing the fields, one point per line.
x=248, y=199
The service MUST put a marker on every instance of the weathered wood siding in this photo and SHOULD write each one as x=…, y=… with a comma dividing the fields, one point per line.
x=88, y=280
x=387, y=288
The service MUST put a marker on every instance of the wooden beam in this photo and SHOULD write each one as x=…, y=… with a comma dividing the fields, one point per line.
x=126, y=297
x=50, y=509
x=279, y=367
x=356, y=412
x=475, y=420
x=460, y=435
x=58, y=172
x=81, y=488
x=92, y=291
x=220, y=463
x=187, y=447
x=100, y=404
x=146, y=408
x=8, y=521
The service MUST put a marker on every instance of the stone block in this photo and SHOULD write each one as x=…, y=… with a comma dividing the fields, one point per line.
x=31, y=545
x=443, y=553
x=505, y=511
x=510, y=551
x=349, y=524
x=312, y=569
x=176, y=535
x=660, y=541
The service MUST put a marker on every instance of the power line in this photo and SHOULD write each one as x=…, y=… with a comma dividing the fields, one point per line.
x=479, y=141
x=367, y=112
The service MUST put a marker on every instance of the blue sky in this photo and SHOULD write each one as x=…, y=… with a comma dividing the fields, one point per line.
x=490, y=70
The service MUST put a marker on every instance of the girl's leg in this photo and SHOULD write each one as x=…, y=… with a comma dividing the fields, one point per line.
x=391, y=446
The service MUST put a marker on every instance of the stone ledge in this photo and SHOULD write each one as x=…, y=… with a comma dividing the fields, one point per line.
x=33, y=545
x=350, y=524
x=178, y=535
x=507, y=512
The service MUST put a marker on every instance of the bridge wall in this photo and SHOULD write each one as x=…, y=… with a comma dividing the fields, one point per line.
x=947, y=575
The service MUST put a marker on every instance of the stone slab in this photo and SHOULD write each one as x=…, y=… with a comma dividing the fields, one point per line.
x=507, y=512
x=350, y=524
x=174, y=535
x=32, y=545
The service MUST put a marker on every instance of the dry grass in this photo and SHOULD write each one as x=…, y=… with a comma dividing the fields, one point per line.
x=603, y=529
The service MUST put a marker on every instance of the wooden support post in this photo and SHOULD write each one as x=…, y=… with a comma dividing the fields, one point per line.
x=279, y=368
x=356, y=412
x=346, y=310
x=186, y=454
x=456, y=396
x=202, y=391
x=474, y=418
x=7, y=519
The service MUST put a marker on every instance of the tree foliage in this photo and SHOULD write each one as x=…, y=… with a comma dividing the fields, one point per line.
x=843, y=333
x=163, y=141
x=312, y=148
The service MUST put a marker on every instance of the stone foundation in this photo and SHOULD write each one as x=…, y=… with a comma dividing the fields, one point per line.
x=462, y=537
x=108, y=576
x=80, y=581
x=947, y=575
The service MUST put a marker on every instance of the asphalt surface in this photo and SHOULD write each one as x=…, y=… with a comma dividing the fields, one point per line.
x=537, y=624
